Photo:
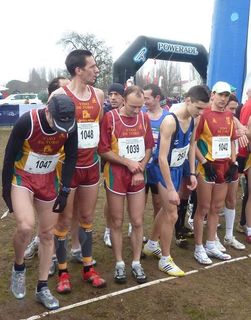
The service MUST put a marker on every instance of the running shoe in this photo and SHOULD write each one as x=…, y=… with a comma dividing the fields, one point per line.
x=129, y=230
x=64, y=284
x=240, y=228
x=202, y=257
x=94, y=278
x=46, y=298
x=233, y=242
x=53, y=266
x=187, y=232
x=219, y=245
x=107, y=239
x=149, y=252
x=168, y=266
x=181, y=240
x=32, y=248
x=190, y=223
x=120, y=274
x=139, y=274
x=216, y=253
x=18, y=283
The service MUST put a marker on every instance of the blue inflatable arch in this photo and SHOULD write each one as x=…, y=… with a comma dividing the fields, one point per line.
x=144, y=48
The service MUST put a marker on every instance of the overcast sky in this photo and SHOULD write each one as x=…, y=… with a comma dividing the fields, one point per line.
x=31, y=29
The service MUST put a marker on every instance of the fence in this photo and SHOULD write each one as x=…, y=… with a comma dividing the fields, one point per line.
x=10, y=113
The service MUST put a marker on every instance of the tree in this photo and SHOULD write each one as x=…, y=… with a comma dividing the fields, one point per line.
x=101, y=53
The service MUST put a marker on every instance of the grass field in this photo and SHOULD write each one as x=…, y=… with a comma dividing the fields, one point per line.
x=222, y=292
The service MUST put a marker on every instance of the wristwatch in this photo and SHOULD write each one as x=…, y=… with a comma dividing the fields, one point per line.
x=65, y=189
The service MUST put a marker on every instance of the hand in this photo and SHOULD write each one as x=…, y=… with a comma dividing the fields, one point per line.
x=137, y=179
x=60, y=202
x=173, y=197
x=210, y=172
x=7, y=199
x=134, y=166
x=231, y=173
x=243, y=141
x=193, y=184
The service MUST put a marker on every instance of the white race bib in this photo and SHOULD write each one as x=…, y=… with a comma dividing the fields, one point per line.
x=40, y=164
x=132, y=148
x=221, y=147
x=88, y=135
x=236, y=143
x=178, y=156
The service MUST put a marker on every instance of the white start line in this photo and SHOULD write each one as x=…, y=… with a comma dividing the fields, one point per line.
x=134, y=288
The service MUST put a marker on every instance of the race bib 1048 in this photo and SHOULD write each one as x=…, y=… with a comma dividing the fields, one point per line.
x=88, y=135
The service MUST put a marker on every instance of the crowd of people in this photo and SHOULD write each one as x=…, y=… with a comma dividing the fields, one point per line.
x=55, y=157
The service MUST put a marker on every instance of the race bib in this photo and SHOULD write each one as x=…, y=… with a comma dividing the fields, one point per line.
x=236, y=143
x=155, y=138
x=221, y=147
x=88, y=135
x=132, y=148
x=41, y=164
x=179, y=156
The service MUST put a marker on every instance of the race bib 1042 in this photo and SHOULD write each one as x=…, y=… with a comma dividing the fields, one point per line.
x=221, y=147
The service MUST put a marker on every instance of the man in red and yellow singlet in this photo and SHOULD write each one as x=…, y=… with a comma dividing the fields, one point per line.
x=125, y=144
x=30, y=181
x=217, y=166
x=84, y=185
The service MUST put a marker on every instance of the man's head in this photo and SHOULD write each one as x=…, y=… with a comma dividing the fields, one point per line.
x=134, y=100
x=81, y=63
x=116, y=95
x=232, y=103
x=152, y=95
x=220, y=95
x=61, y=113
x=57, y=83
x=197, y=99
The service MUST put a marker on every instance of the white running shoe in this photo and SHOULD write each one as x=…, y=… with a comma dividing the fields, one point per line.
x=233, y=242
x=215, y=253
x=152, y=252
x=168, y=266
x=190, y=223
x=129, y=230
x=219, y=245
x=202, y=257
x=32, y=248
x=107, y=238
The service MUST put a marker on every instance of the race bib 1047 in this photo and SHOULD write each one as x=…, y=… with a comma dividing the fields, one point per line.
x=41, y=164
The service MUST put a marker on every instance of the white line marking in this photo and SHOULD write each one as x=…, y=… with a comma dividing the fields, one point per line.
x=5, y=214
x=140, y=286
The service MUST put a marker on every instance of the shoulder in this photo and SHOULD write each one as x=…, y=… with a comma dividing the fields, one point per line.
x=57, y=91
x=99, y=93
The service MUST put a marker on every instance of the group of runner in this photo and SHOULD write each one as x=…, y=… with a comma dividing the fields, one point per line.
x=52, y=164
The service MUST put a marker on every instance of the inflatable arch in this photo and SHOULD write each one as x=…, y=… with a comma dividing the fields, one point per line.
x=144, y=48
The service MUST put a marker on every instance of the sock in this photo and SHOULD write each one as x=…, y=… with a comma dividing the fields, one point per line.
x=41, y=284
x=248, y=231
x=164, y=259
x=135, y=263
x=199, y=247
x=210, y=244
x=229, y=217
x=120, y=263
x=152, y=245
x=19, y=267
x=107, y=230
x=60, y=271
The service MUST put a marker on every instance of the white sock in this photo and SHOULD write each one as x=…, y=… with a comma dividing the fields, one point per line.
x=229, y=217
x=107, y=230
x=152, y=245
x=199, y=247
x=135, y=263
x=163, y=259
x=120, y=263
x=248, y=231
x=210, y=244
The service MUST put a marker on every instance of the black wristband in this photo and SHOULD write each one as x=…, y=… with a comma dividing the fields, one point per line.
x=193, y=174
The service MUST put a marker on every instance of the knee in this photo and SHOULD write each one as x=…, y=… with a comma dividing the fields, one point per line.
x=202, y=211
x=46, y=236
x=116, y=223
x=231, y=203
x=25, y=230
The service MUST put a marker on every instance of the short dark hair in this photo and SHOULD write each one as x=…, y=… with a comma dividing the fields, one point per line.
x=76, y=58
x=232, y=97
x=198, y=93
x=54, y=84
x=156, y=91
